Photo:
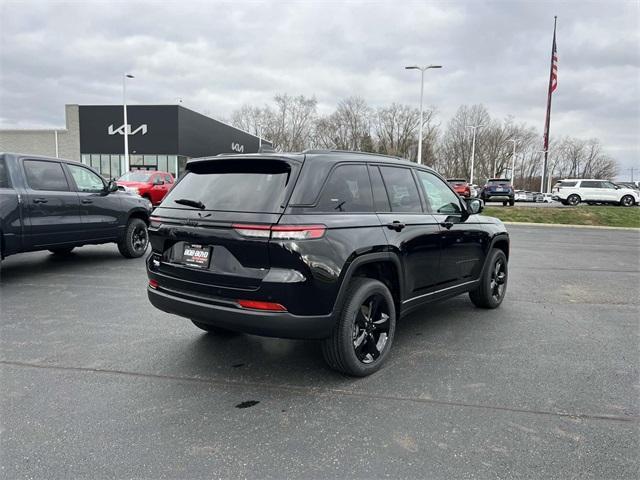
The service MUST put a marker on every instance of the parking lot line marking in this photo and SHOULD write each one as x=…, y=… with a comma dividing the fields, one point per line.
x=324, y=391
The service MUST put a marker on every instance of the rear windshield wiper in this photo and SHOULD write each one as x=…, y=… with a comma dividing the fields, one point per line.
x=190, y=203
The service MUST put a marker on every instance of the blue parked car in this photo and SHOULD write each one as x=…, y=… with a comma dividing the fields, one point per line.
x=499, y=189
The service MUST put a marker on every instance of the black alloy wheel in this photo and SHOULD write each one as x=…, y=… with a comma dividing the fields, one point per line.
x=371, y=329
x=135, y=239
x=498, y=279
x=139, y=238
x=627, y=201
x=365, y=328
x=493, y=282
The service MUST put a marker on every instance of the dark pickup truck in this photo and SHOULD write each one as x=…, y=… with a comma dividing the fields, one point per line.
x=57, y=205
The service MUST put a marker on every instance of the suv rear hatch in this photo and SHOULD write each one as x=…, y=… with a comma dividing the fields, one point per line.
x=211, y=232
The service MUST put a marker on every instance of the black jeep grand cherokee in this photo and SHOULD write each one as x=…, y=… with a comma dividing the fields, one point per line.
x=326, y=245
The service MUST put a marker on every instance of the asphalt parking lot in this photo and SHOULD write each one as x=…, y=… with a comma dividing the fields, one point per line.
x=97, y=384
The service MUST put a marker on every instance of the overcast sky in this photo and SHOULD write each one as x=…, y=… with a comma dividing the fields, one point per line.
x=218, y=56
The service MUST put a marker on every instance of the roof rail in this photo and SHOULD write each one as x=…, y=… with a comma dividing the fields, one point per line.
x=314, y=151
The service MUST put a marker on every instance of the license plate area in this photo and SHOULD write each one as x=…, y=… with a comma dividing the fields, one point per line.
x=196, y=256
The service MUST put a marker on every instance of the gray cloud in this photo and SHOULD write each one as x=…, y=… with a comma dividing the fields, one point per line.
x=217, y=56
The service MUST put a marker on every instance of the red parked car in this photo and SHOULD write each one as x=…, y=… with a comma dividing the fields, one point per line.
x=148, y=184
x=461, y=186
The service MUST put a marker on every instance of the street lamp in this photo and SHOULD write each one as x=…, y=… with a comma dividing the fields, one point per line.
x=513, y=163
x=126, y=123
x=473, y=149
x=422, y=70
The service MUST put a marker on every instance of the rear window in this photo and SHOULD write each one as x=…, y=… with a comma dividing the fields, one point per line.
x=457, y=181
x=258, y=186
x=498, y=181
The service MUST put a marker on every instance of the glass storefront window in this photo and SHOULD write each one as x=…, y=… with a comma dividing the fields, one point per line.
x=95, y=161
x=115, y=166
x=151, y=160
x=105, y=166
x=162, y=163
x=86, y=159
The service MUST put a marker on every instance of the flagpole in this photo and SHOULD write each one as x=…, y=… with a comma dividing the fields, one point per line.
x=547, y=124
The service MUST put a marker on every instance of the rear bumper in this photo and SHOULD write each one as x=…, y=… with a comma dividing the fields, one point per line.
x=268, y=324
x=498, y=194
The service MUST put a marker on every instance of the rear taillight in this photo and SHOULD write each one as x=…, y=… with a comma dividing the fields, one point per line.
x=297, y=232
x=281, y=232
x=254, y=231
x=259, y=305
x=153, y=284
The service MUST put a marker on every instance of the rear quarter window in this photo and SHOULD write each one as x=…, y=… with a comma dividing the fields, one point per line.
x=567, y=184
x=4, y=174
x=347, y=189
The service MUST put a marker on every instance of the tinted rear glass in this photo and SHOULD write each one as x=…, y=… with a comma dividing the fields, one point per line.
x=43, y=175
x=567, y=184
x=347, y=190
x=497, y=181
x=4, y=174
x=234, y=186
x=456, y=181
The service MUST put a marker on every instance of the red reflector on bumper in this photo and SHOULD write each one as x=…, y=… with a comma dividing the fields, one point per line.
x=153, y=283
x=256, y=305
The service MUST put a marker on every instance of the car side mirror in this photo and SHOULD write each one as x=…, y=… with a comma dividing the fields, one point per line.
x=112, y=186
x=474, y=205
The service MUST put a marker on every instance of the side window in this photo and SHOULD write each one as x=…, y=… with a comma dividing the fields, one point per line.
x=589, y=184
x=4, y=175
x=380, y=199
x=43, y=175
x=608, y=185
x=441, y=198
x=167, y=179
x=347, y=190
x=86, y=180
x=401, y=189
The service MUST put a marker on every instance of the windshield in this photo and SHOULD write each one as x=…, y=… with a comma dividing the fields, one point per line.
x=233, y=186
x=136, y=176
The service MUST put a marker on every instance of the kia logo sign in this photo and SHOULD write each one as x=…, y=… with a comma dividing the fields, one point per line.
x=120, y=130
x=236, y=147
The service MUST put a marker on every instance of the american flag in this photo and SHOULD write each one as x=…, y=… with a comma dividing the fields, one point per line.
x=553, y=84
x=554, y=65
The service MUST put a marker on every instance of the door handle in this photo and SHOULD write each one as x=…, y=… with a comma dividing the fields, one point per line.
x=446, y=225
x=86, y=200
x=396, y=225
x=40, y=200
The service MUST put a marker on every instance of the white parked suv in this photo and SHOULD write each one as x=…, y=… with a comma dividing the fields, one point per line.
x=573, y=191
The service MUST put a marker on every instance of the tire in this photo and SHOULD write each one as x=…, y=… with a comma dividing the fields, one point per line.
x=135, y=239
x=590, y=203
x=627, y=201
x=213, y=329
x=504, y=203
x=493, y=283
x=61, y=250
x=355, y=324
x=573, y=199
x=512, y=202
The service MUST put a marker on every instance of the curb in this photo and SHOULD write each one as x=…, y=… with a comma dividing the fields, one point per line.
x=565, y=225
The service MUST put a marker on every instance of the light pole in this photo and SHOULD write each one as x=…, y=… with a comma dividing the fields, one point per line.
x=473, y=149
x=126, y=123
x=422, y=70
x=513, y=163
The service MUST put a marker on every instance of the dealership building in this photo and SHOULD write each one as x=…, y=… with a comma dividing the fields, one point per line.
x=161, y=137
